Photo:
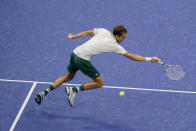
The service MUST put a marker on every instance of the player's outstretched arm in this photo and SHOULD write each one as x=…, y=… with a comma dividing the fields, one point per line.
x=141, y=58
x=134, y=57
x=81, y=34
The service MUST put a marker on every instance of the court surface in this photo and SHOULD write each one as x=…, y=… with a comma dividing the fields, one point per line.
x=34, y=52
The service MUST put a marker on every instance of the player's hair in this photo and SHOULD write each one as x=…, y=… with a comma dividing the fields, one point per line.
x=119, y=30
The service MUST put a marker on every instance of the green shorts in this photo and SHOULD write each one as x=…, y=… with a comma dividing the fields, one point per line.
x=77, y=63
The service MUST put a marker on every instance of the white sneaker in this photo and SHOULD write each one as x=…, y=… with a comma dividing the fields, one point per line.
x=71, y=95
x=39, y=97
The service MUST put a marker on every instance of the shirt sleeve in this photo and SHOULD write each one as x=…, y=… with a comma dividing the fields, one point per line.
x=120, y=50
x=97, y=30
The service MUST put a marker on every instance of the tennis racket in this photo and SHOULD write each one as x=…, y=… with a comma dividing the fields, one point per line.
x=174, y=72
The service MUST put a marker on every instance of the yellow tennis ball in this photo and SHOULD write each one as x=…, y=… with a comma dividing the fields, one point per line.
x=122, y=93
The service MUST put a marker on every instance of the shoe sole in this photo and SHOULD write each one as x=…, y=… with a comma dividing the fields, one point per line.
x=37, y=99
x=66, y=90
x=68, y=96
x=69, y=102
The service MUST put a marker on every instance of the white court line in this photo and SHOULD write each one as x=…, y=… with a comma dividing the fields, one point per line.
x=23, y=106
x=117, y=87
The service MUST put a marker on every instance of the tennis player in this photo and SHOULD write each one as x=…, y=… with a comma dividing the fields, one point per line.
x=102, y=41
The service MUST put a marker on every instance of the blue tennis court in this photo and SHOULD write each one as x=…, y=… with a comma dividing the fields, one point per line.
x=34, y=51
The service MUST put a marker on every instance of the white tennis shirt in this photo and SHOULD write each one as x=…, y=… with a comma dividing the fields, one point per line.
x=103, y=41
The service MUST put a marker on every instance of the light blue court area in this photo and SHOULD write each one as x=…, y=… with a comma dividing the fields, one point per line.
x=100, y=110
x=35, y=50
x=12, y=96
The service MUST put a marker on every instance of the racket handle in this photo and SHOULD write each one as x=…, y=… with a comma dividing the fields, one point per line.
x=162, y=63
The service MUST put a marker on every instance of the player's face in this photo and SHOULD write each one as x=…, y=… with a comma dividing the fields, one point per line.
x=121, y=38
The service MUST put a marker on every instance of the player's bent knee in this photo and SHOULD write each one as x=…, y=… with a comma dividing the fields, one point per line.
x=101, y=83
x=69, y=76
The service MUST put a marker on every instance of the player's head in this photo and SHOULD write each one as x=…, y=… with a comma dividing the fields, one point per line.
x=120, y=32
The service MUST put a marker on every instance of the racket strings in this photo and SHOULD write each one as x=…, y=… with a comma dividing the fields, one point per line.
x=175, y=72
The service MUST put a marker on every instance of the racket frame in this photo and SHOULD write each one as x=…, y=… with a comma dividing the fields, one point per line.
x=167, y=66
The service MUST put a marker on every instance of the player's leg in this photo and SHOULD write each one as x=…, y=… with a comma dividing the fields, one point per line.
x=88, y=69
x=72, y=69
x=72, y=91
x=96, y=83
x=67, y=77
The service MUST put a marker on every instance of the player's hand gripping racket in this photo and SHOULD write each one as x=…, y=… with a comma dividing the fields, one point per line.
x=174, y=72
